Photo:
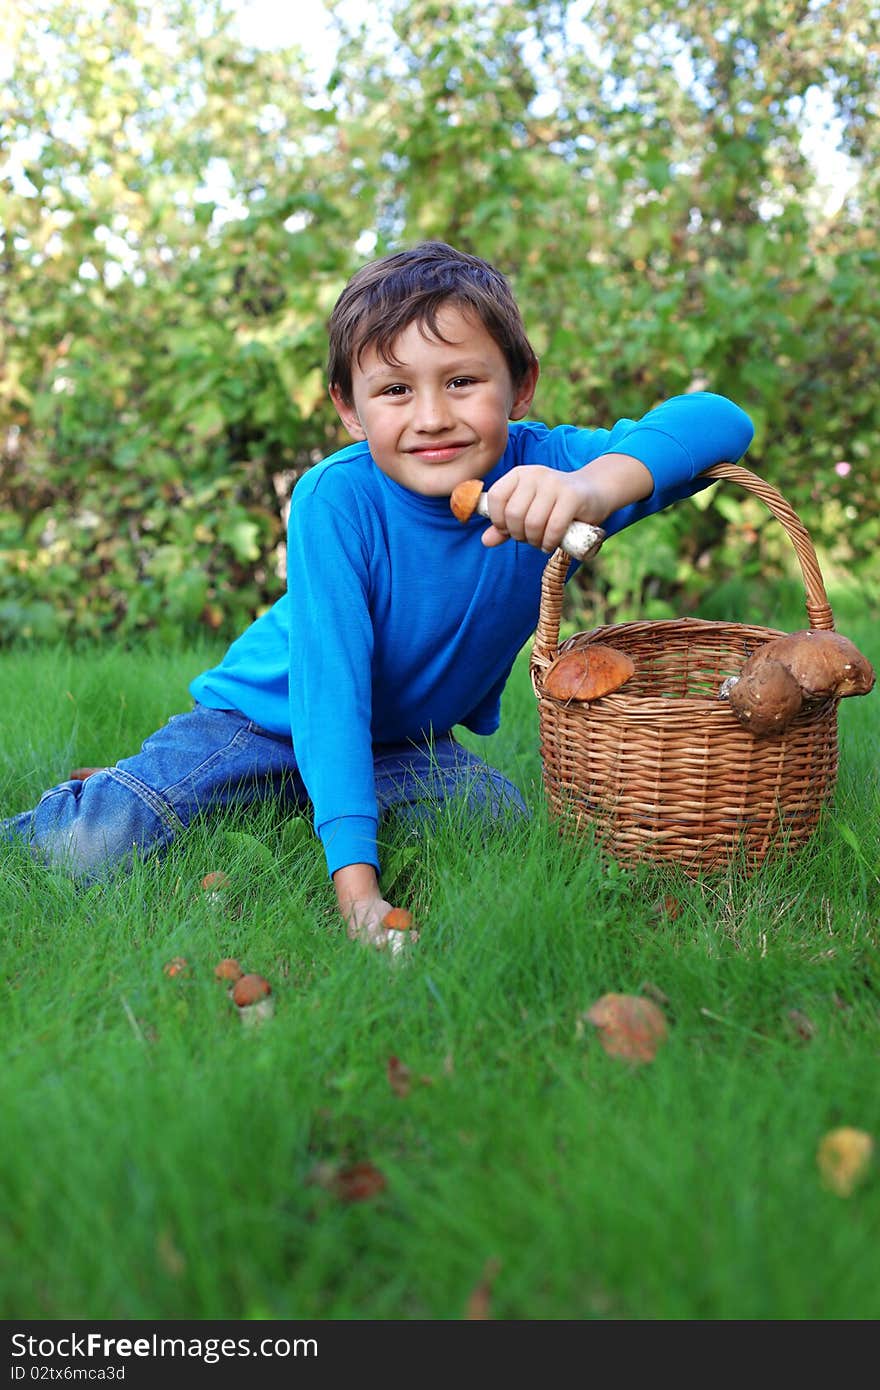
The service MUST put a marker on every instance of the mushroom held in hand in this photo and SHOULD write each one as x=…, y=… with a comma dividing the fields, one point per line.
x=468, y=499
x=587, y=673
x=767, y=698
x=464, y=499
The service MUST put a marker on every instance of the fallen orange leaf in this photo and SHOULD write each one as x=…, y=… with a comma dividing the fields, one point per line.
x=399, y=1078
x=479, y=1304
x=630, y=1027
x=844, y=1159
x=358, y=1182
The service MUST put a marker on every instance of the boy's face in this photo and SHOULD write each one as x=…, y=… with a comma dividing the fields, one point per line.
x=441, y=416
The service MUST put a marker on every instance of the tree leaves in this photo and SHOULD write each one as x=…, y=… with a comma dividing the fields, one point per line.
x=179, y=224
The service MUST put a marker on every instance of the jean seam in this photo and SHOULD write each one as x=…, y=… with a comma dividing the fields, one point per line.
x=157, y=804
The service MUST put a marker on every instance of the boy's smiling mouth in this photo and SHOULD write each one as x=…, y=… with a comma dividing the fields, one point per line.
x=437, y=453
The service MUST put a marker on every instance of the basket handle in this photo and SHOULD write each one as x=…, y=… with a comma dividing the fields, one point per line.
x=546, y=644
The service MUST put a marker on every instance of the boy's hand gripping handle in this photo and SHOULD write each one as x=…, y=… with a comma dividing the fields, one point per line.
x=581, y=541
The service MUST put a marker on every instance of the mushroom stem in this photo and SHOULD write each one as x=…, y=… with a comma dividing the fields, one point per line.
x=581, y=541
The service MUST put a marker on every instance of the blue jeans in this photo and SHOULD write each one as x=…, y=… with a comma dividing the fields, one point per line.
x=208, y=759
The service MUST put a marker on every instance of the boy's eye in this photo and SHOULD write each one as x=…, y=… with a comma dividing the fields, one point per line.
x=398, y=389
x=462, y=381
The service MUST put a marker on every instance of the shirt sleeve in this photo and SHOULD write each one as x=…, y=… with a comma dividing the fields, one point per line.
x=331, y=650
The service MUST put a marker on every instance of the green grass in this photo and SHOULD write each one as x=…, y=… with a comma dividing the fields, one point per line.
x=159, y=1160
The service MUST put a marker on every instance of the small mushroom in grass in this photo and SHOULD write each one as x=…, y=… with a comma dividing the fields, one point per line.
x=766, y=698
x=398, y=919
x=587, y=673
x=177, y=966
x=399, y=922
x=213, y=885
x=251, y=995
x=228, y=969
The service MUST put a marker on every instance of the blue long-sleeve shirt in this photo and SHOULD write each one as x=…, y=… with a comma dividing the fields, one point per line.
x=397, y=620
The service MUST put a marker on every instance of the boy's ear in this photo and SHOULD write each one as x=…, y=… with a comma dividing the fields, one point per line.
x=524, y=394
x=347, y=414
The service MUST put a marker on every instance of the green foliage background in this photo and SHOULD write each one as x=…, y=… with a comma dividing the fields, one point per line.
x=178, y=213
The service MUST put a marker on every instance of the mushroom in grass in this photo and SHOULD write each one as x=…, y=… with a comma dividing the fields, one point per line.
x=398, y=922
x=397, y=919
x=587, y=673
x=252, y=997
x=787, y=671
x=766, y=698
x=229, y=970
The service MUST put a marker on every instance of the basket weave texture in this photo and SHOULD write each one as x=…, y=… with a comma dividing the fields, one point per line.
x=662, y=770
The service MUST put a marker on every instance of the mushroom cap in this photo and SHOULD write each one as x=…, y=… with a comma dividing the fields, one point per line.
x=464, y=499
x=249, y=989
x=766, y=698
x=215, y=880
x=397, y=919
x=228, y=969
x=178, y=965
x=823, y=663
x=587, y=673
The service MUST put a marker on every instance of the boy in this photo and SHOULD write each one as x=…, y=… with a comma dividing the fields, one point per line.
x=398, y=622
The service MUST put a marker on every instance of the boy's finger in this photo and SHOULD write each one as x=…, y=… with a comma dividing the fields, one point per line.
x=493, y=535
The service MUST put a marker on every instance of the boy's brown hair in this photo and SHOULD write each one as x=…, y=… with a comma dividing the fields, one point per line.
x=387, y=295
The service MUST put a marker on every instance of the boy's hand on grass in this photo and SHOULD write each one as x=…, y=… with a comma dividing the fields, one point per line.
x=364, y=923
x=537, y=504
x=363, y=908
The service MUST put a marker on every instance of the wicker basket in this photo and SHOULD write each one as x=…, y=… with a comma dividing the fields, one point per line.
x=662, y=770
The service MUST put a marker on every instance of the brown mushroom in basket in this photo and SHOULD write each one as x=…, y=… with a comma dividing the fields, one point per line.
x=824, y=664
x=587, y=673
x=767, y=698
x=788, y=671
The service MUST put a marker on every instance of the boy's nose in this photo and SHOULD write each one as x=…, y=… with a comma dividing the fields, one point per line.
x=432, y=412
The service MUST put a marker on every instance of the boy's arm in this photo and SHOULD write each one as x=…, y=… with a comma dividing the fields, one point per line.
x=331, y=646
x=614, y=477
